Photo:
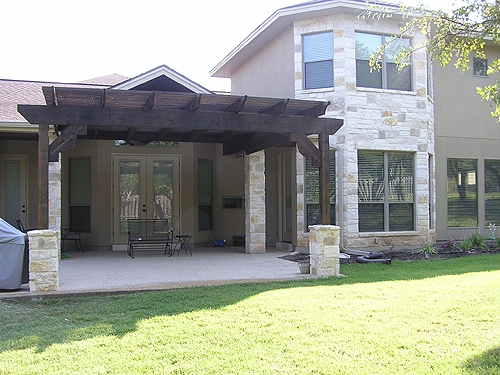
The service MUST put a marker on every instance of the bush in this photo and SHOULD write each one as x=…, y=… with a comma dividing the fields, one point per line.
x=474, y=241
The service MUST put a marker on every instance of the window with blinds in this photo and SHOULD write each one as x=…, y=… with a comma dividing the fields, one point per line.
x=386, y=198
x=462, y=192
x=79, y=193
x=389, y=76
x=492, y=191
x=312, y=191
x=318, y=60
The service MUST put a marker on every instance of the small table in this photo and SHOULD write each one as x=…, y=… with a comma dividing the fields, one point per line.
x=182, y=240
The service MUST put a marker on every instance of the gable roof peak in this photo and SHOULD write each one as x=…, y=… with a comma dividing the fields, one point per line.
x=162, y=70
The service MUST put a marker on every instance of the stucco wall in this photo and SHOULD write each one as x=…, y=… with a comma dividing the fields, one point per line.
x=464, y=129
x=272, y=65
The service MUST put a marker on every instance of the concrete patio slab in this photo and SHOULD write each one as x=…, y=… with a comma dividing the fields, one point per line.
x=115, y=271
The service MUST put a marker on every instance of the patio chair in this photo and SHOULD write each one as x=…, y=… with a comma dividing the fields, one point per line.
x=72, y=235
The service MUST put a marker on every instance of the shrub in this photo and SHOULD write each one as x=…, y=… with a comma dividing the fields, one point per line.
x=474, y=241
x=428, y=248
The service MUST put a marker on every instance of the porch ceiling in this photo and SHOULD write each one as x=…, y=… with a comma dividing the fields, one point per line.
x=241, y=123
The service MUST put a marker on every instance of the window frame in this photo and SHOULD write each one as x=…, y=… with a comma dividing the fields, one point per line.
x=385, y=199
x=384, y=63
x=464, y=180
x=306, y=62
x=484, y=68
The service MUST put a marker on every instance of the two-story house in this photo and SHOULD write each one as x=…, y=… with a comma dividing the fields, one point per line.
x=383, y=157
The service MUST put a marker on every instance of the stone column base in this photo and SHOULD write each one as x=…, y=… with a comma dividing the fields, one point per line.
x=324, y=241
x=44, y=260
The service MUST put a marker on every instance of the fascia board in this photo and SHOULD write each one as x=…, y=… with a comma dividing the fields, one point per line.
x=157, y=72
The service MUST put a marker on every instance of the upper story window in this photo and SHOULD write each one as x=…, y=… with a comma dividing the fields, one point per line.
x=480, y=67
x=389, y=76
x=318, y=60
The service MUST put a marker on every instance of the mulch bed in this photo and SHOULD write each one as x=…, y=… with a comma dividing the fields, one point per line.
x=408, y=255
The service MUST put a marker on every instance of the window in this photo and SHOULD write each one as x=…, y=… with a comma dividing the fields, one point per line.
x=492, y=191
x=480, y=67
x=386, y=191
x=205, y=200
x=312, y=191
x=388, y=77
x=318, y=60
x=79, y=194
x=462, y=193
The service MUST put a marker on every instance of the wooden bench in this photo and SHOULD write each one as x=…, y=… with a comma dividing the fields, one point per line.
x=149, y=234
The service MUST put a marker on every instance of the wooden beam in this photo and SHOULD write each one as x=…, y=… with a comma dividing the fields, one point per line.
x=306, y=147
x=66, y=141
x=130, y=133
x=54, y=96
x=191, y=137
x=204, y=120
x=102, y=103
x=237, y=106
x=324, y=180
x=250, y=143
x=162, y=133
x=318, y=110
x=277, y=109
x=150, y=102
x=194, y=104
x=43, y=176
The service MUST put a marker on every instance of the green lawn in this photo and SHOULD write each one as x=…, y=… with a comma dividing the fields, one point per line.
x=429, y=317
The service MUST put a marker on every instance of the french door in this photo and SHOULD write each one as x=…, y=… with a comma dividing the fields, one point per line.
x=13, y=189
x=145, y=187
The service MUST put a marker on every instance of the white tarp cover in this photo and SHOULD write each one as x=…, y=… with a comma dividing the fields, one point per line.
x=11, y=256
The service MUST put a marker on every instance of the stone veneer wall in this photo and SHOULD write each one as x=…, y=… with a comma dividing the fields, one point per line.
x=255, y=203
x=374, y=119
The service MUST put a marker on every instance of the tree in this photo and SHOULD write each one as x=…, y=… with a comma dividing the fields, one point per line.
x=453, y=37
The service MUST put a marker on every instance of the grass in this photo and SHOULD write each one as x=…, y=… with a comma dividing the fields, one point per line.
x=427, y=317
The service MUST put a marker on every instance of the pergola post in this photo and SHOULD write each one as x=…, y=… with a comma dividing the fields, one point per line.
x=43, y=176
x=324, y=179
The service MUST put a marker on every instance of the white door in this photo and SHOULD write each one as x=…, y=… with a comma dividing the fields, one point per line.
x=13, y=191
x=145, y=187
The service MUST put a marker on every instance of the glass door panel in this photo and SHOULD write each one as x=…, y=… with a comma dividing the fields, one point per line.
x=146, y=190
x=13, y=192
x=129, y=186
x=162, y=190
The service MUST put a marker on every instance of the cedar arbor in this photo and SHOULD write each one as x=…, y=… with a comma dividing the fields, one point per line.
x=241, y=123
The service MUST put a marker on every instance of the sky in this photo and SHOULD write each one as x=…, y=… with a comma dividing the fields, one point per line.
x=71, y=41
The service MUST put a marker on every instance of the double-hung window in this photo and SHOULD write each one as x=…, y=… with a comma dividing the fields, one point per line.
x=318, y=60
x=389, y=76
x=462, y=192
x=386, y=191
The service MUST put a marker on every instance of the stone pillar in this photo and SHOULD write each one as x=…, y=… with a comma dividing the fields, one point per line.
x=44, y=260
x=255, y=203
x=324, y=250
x=302, y=241
x=55, y=193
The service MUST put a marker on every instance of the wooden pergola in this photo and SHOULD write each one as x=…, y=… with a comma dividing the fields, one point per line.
x=240, y=123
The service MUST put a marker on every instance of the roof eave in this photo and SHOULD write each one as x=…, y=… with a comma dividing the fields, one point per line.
x=279, y=21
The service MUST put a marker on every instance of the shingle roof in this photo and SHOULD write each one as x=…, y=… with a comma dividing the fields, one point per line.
x=14, y=92
x=110, y=80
